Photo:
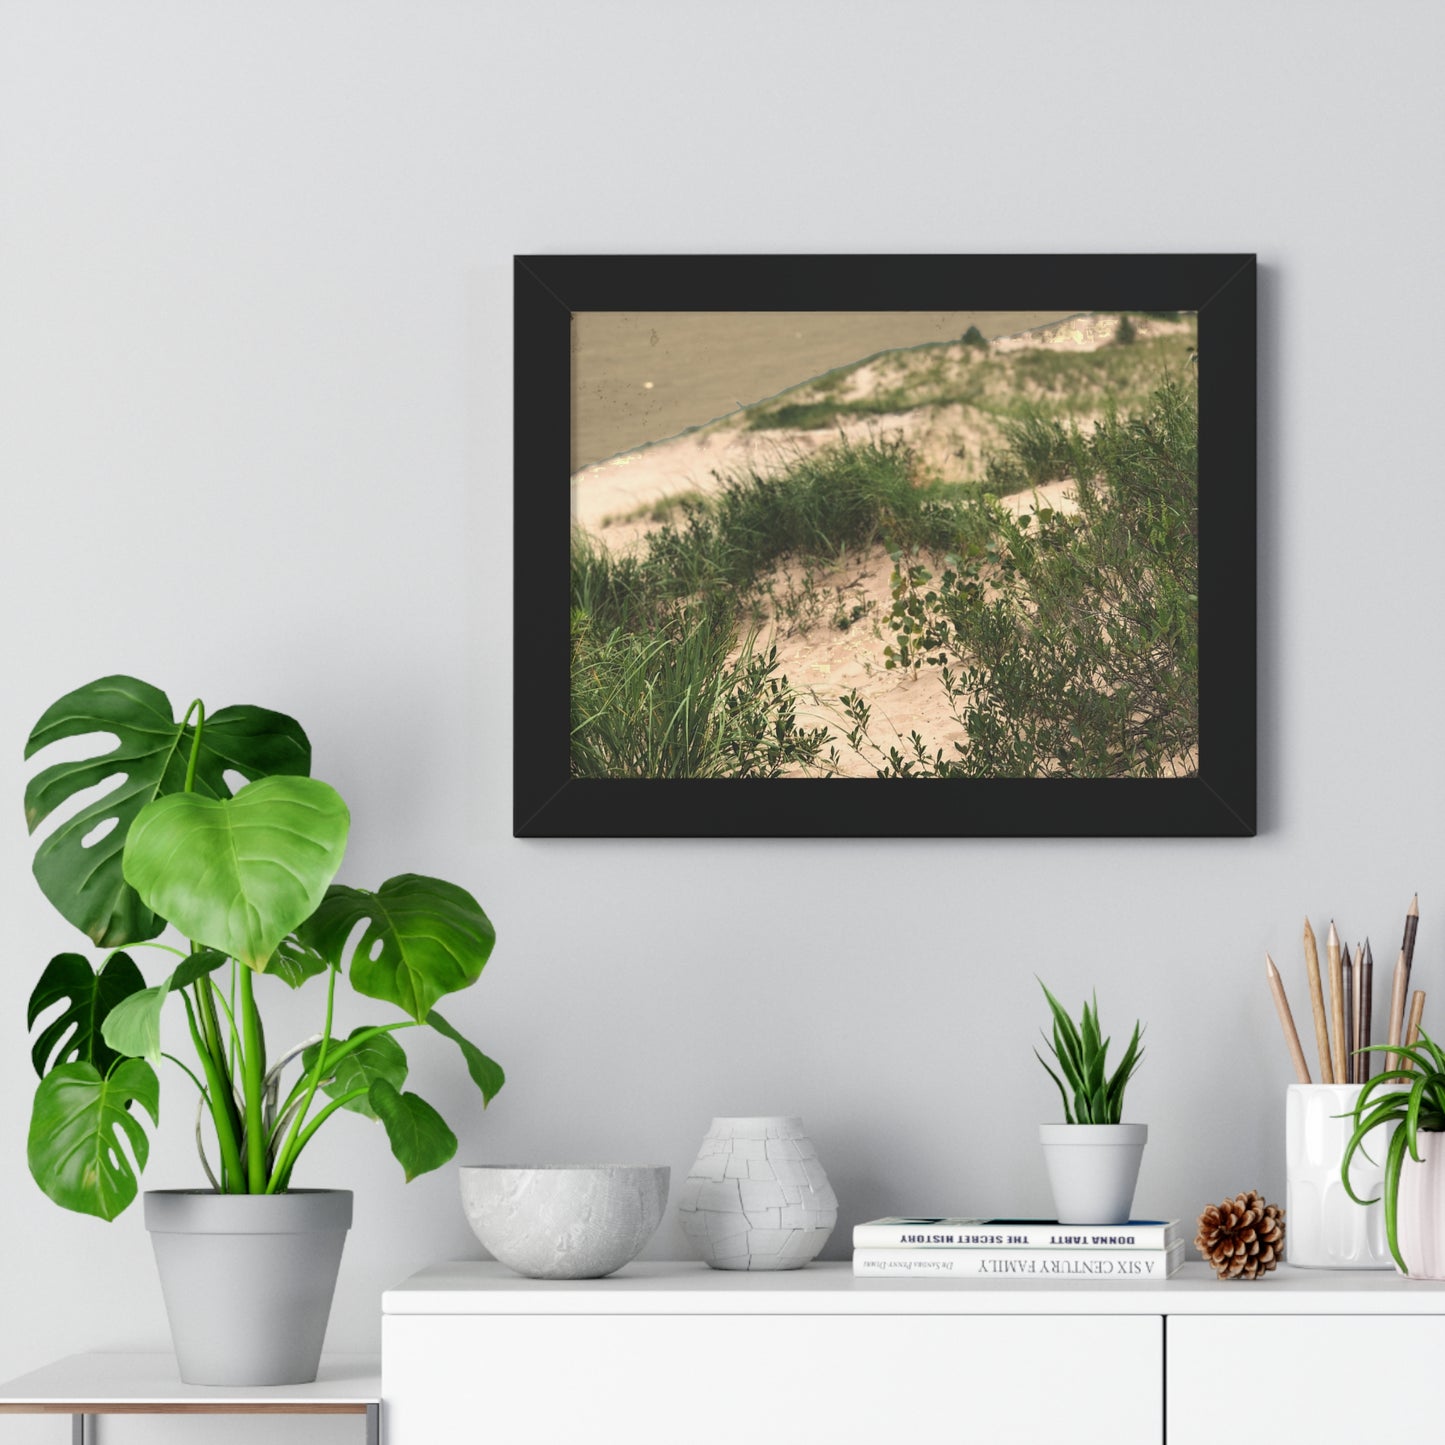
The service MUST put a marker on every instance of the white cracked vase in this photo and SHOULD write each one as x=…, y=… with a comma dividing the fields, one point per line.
x=757, y=1197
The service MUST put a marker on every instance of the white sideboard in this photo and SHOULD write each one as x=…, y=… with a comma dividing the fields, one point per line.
x=678, y=1354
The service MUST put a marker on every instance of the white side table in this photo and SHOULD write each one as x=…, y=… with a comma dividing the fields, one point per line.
x=83, y=1386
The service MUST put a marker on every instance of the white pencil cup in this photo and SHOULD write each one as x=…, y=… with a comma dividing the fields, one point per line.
x=1325, y=1228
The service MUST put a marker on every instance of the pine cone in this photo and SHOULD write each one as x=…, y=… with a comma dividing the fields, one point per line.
x=1243, y=1237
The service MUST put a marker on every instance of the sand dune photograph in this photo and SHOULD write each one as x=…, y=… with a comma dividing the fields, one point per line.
x=884, y=545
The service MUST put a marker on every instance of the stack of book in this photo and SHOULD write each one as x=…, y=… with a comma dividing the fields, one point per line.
x=1016, y=1249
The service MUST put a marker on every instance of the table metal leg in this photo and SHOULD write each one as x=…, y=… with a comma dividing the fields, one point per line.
x=80, y=1431
x=373, y=1425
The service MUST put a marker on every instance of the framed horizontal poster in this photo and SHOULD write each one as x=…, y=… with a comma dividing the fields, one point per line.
x=885, y=545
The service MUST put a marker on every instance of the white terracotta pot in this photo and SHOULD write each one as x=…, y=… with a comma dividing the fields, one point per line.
x=1093, y=1169
x=1326, y=1229
x=1420, y=1225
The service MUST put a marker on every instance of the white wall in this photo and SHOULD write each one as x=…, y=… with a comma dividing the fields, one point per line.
x=255, y=442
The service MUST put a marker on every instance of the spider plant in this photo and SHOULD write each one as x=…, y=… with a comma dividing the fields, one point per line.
x=1081, y=1052
x=1418, y=1109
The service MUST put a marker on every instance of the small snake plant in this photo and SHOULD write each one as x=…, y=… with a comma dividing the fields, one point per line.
x=1081, y=1053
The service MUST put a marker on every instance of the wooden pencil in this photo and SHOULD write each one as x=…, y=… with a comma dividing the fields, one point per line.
x=1367, y=1013
x=1317, y=1003
x=1397, y=1011
x=1417, y=1012
x=1407, y=944
x=1347, y=990
x=1337, y=1004
x=1286, y=1021
x=1356, y=1036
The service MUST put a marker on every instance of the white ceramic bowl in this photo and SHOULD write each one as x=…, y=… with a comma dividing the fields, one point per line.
x=564, y=1221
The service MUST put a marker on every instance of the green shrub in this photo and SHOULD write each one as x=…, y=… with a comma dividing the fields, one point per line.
x=1072, y=650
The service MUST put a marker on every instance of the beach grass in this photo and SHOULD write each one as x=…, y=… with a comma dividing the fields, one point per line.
x=680, y=700
x=846, y=496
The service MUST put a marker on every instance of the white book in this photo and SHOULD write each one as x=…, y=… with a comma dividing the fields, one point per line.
x=940, y=1233
x=1085, y=1264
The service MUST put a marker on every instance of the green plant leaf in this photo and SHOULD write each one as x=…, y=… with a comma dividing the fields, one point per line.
x=294, y=962
x=1435, y=1051
x=152, y=751
x=1068, y=1113
x=1412, y=1117
x=91, y=996
x=79, y=1127
x=1416, y=1056
x=1128, y=1067
x=419, y=1135
x=133, y=1027
x=1357, y=1140
x=197, y=965
x=486, y=1073
x=1071, y=1056
x=1090, y=1033
x=424, y=938
x=377, y=1057
x=1067, y=1045
x=1394, y=1159
x=239, y=874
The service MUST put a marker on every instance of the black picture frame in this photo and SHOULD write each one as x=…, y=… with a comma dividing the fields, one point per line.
x=1218, y=801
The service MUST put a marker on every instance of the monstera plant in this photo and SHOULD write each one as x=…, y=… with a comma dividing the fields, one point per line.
x=246, y=878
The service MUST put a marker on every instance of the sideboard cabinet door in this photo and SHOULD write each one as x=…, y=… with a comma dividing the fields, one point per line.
x=1300, y=1377
x=722, y=1380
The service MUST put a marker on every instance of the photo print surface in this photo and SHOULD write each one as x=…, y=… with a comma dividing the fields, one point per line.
x=886, y=545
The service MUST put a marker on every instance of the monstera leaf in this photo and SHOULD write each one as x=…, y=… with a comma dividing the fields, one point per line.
x=202, y=962
x=90, y=997
x=486, y=1073
x=239, y=874
x=379, y=1057
x=133, y=1027
x=152, y=752
x=418, y=1135
x=78, y=1129
x=423, y=939
x=294, y=962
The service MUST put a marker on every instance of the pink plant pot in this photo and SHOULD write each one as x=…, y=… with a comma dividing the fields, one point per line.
x=1420, y=1225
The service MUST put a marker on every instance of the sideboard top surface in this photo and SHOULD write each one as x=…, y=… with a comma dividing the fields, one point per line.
x=649, y=1287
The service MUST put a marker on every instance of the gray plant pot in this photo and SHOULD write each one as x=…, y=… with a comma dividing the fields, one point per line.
x=248, y=1280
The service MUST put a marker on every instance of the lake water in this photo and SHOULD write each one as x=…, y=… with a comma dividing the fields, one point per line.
x=640, y=376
